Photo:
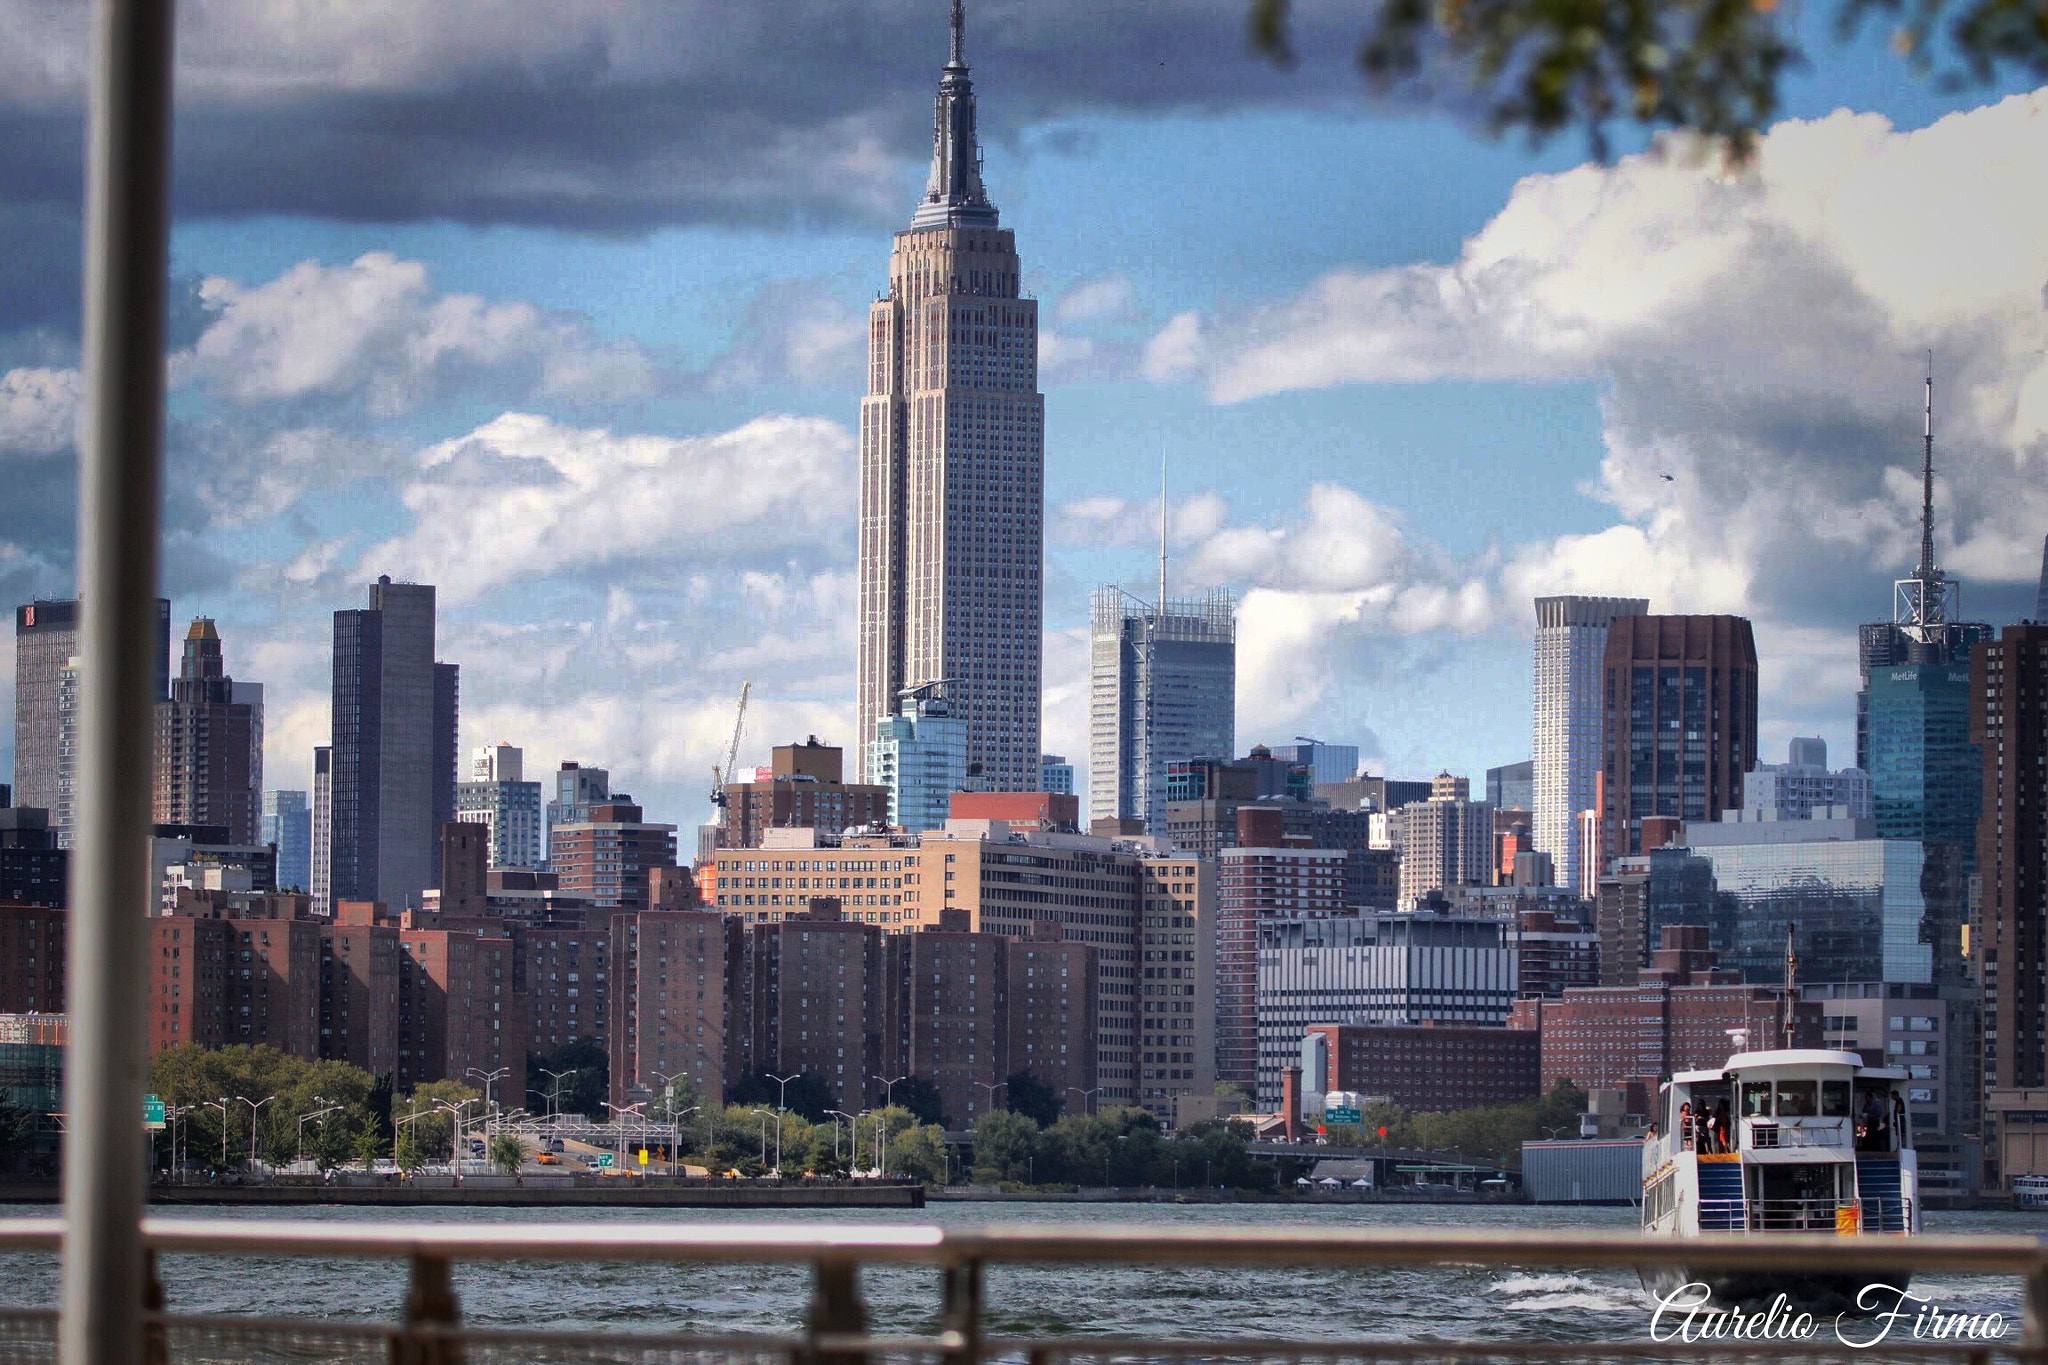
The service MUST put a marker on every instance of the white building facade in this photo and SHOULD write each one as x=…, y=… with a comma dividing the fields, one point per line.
x=497, y=796
x=1571, y=640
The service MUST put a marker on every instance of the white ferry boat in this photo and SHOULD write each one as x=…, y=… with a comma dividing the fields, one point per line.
x=2030, y=1191
x=1785, y=1140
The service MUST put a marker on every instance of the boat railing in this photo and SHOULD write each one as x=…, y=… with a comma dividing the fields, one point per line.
x=836, y=1327
x=1867, y=1214
x=1775, y=1134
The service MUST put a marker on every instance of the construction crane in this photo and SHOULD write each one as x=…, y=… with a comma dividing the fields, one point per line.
x=722, y=777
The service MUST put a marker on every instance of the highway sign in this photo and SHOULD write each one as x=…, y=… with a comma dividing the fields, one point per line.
x=604, y=1160
x=643, y=1156
x=152, y=1112
x=1340, y=1114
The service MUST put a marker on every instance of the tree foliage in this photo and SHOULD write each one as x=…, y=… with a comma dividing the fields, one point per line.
x=1024, y=1093
x=1495, y=1133
x=507, y=1151
x=194, y=1080
x=806, y=1095
x=1712, y=66
x=1117, y=1146
x=17, y=1130
x=583, y=1093
x=921, y=1097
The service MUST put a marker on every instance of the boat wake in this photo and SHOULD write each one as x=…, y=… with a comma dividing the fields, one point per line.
x=1556, y=1293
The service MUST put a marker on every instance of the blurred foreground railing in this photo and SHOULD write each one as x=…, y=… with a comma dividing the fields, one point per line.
x=835, y=1330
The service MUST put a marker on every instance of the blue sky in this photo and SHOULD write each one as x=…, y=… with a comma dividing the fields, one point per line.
x=596, y=378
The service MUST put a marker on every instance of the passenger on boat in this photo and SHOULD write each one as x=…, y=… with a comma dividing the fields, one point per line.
x=1871, y=1134
x=1714, y=1129
x=1899, y=1118
x=1685, y=1126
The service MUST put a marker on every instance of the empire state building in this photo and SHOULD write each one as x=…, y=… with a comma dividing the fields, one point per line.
x=952, y=466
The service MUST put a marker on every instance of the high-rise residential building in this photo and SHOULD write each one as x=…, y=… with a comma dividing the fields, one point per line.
x=1325, y=762
x=498, y=797
x=2009, y=723
x=67, y=750
x=952, y=473
x=803, y=788
x=920, y=754
x=32, y=867
x=1055, y=774
x=1926, y=628
x=203, y=747
x=1571, y=644
x=322, y=857
x=1794, y=789
x=1445, y=842
x=1680, y=710
x=1163, y=690
x=392, y=760
x=607, y=855
x=45, y=642
x=1512, y=786
x=577, y=788
x=250, y=694
x=1267, y=877
x=288, y=823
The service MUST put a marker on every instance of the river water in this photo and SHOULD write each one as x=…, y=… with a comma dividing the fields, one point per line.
x=1211, y=1302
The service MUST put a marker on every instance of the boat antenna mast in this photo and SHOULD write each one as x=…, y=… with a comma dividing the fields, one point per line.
x=1791, y=983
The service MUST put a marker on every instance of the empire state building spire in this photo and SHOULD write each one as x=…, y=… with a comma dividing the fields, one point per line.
x=953, y=195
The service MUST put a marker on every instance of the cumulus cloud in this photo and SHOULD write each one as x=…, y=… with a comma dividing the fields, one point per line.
x=38, y=410
x=1106, y=298
x=1759, y=338
x=373, y=333
x=525, y=497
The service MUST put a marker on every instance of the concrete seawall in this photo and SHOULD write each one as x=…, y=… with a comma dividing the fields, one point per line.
x=473, y=1193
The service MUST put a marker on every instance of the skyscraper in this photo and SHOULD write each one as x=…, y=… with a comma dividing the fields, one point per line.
x=1163, y=690
x=1926, y=626
x=1571, y=641
x=288, y=823
x=498, y=797
x=2041, y=594
x=322, y=859
x=203, y=745
x=393, y=753
x=2009, y=724
x=1680, y=703
x=952, y=472
x=45, y=641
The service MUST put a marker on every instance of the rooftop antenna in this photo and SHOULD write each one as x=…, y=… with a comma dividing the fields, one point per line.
x=1791, y=982
x=1928, y=603
x=959, y=34
x=1927, y=479
x=1162, y=533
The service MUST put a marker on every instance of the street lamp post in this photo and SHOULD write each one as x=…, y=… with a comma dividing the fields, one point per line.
x=555, y=1095
x=619, y=1113
x=838, y=1114
x=764, y=1137
x=490, y=1078
x=254, y=1108
x=888, y=1089
x=991, y=1092
x=455, y=1136
x=1087, y=1096
x=222, y=1105
x=305, y=1119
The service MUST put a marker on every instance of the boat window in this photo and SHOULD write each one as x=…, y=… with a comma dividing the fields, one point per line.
x=1796, y=1099
x=1834, y=1099
x=1756, y=1099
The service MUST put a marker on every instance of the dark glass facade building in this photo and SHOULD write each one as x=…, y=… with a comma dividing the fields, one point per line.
x=1927, y=775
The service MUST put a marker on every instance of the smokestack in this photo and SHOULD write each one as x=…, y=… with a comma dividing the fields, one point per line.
x=1290, y=1101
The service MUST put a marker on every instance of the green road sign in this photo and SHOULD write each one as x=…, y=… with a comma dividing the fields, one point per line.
x=152, y=1112
x=1340, y=1114
x=604, y=1160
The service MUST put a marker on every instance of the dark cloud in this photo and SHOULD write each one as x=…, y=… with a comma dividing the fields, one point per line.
x=624, y=117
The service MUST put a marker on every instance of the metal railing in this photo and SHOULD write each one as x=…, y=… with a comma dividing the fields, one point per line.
x=1868, y=1214
x=836, y=1330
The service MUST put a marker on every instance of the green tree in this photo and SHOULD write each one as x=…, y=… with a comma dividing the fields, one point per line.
x=805, y=1095
x=922, y=1098
x=17, y=1131
x=407, y=1152
x=436, y=1126
x=1024, y=1093
x=584, y=1093
x=507, y=1151
x=1714, y=66
x=920, y=1153
x=1005, y=1147
x=371, y=1146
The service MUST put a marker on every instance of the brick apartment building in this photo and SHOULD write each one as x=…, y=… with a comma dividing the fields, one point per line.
x=1431, y=1067
x=802, y=788
x=606, y=858
x=31, y=958
x=1677, y=1017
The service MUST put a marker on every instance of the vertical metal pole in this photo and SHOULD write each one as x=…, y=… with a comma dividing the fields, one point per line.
x=119, y=493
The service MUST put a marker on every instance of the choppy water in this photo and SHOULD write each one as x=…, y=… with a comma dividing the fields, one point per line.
x=1216, y=1302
